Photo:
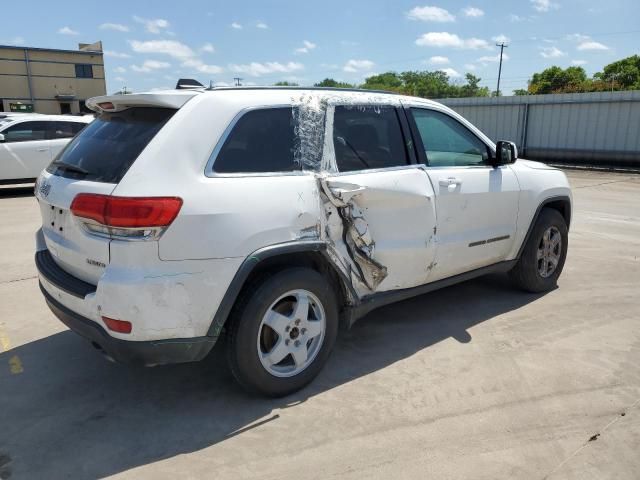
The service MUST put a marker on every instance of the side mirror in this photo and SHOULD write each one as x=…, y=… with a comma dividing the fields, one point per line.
x=506, y=153
x=2, y=138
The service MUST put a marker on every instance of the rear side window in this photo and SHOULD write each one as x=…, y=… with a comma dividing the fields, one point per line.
x=26, y=132
x=67, y=129
x=367, y=137
x=261, y=141
x=108, y=146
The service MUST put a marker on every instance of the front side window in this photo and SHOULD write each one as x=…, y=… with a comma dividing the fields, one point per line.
x=26, y=132
x=261, y=141
x=447, y=142
x=84, y=70
x=67, y=129
x=367, y=137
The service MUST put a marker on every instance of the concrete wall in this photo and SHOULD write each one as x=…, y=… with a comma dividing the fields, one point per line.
x=48, y=79
x=601, y=127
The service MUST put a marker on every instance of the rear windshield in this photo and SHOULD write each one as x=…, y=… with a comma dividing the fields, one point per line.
x=108, y=146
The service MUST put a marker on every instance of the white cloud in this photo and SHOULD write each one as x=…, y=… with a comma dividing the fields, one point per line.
x=221, y=84
x=470, y=66
x=438, y=60
x=257, y=69
x=591, y=45
x=492, y=59
x=152, y=25
x=501, y=38
x=578, y=63
x=578, y=37
x=120, y=79
x=516, y=18
x=544, y=5
x=236, y=25
x=262, y=25
x=172, y=48
x=114, y=54
x=306, y=48
x=119, y=69
x=207, y=48
x=67, y=31
x=430, y=14
x=451, y=72
x=13, y=41
x=149, y=66
x=552, y=52
x=118, y=27
x=358, y=65
x=201, y=67
x=473, y=12
x=445, y=39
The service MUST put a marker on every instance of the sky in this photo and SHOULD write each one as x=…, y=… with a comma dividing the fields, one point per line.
x=149, y=45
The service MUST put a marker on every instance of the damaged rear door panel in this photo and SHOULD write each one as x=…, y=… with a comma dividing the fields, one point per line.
x=388, y=225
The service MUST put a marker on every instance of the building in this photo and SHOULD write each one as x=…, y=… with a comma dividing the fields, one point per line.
x=44, y=80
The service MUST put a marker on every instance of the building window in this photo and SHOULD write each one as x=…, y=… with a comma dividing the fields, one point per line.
x=84, y=70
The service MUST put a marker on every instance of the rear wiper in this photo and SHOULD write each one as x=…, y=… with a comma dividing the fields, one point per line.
x=67, y=167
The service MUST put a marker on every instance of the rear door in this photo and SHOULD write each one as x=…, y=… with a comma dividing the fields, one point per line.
x=386, y=202
x=25, y=151
x=477, y=205
x=93, y=162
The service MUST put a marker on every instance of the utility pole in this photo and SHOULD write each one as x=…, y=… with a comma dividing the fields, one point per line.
x=237, y=80
x=502, y=46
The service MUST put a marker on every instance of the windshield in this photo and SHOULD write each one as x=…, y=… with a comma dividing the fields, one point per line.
x=107, y=147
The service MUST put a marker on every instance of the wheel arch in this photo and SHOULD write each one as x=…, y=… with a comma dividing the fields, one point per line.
x=310, y=254
x=560, y=203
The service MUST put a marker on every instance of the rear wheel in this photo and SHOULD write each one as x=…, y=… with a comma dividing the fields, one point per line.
x=282, y=332
x=544, y=254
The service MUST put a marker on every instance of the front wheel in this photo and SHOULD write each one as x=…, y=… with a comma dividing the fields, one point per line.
x=544, y=254
x=282, y=332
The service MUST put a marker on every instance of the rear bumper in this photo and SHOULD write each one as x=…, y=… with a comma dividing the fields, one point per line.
x=144, y=353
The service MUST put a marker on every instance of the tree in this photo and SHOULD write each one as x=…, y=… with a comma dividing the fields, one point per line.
x=472, y=88
x=556, y=80
x=521, y=91
x=285, y=84
x=623, y=74
x=330, y=82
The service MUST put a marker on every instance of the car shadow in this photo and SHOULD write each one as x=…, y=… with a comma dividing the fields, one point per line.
x=65, y=412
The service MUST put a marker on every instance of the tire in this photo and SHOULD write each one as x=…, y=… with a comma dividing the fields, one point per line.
x=263, y=327
x=529, y=272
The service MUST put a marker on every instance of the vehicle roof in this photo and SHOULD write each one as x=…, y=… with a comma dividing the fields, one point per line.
x=253, y=95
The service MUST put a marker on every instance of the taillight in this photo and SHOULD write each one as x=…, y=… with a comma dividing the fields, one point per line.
x=126, y=217
x=119, y=326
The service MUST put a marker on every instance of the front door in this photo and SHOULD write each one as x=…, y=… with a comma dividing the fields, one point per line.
x=476, y=204
x=25, y=151
x=386, y=204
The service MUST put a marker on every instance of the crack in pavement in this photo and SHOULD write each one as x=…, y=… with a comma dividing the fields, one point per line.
x=591, y=439
x=18, y=279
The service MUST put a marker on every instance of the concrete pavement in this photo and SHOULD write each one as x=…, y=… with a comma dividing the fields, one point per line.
x=475, y=381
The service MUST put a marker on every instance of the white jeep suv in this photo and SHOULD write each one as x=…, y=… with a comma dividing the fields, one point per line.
x=273, y=215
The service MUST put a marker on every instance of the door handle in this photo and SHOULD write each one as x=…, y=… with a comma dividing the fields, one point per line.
x=42, y=149
x=446, y=182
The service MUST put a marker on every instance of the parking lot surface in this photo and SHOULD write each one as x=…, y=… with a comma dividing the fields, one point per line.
x=476, y=381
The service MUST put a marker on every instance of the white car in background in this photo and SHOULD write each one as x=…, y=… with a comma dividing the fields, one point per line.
x=29, y=142
x=269, y=216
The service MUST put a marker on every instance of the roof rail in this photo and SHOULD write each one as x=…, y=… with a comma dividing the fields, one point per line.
x=329, y=89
